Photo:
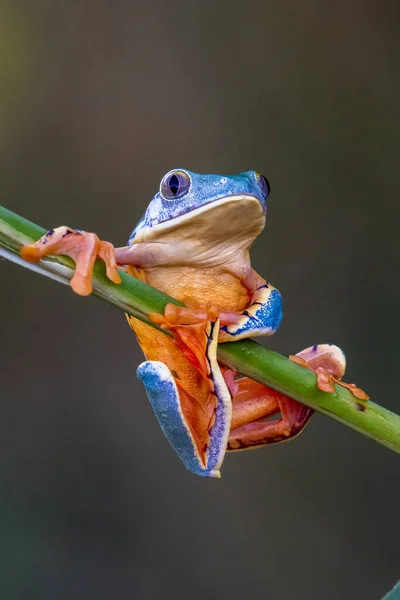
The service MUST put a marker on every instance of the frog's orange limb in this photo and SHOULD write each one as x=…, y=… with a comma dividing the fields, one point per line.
x=82, y=247
x=252, y=401
x=252, y=404
x=191, y=399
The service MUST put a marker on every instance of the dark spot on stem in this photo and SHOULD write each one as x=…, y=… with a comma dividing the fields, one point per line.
x=360, y=407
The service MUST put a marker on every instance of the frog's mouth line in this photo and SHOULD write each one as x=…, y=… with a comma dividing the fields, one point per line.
x=226, y=217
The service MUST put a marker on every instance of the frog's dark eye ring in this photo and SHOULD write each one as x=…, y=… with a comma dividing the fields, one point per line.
x=264, y=185
x=175, y=185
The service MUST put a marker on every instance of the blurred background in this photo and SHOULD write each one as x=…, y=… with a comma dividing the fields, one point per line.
x=97, y=101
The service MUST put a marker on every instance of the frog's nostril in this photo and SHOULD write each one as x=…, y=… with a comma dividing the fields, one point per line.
x=264, y=185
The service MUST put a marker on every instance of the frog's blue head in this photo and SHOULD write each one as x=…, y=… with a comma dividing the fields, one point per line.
x=184, y=195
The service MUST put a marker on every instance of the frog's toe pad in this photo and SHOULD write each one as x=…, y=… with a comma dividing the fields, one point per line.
x=163, y=394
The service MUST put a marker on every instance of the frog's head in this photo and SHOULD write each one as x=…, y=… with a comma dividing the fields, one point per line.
x=211, y=208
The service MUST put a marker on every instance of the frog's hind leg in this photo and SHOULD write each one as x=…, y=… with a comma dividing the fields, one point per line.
x=196, y=427
x=253, y=434
x=253, y=403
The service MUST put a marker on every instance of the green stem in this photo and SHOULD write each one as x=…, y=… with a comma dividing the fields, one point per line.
x=247, y=357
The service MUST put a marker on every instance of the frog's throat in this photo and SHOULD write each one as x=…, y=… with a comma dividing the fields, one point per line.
x=239, y=219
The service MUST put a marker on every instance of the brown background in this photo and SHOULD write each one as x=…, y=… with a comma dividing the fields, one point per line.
x=98, y=99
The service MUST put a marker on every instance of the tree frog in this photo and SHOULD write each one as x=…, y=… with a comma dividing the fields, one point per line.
x=193, y=243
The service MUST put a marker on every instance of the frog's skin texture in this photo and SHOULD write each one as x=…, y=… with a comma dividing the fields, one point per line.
x=193, y=243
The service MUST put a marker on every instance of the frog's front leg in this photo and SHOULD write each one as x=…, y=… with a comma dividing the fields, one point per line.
x=84, y=247
x=263, y=316
x=254, y=403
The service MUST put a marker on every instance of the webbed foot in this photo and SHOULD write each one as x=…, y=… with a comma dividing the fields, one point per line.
x=188, y=325
x=82, y=247
x=329, y=363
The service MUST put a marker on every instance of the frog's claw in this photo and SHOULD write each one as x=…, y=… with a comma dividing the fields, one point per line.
x=82, y=247
x=254, y=403
x=329, y=368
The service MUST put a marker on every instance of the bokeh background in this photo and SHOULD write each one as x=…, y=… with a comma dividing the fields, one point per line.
x=98, y=99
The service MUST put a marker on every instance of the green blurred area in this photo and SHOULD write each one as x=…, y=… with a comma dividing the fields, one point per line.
x=97, y=101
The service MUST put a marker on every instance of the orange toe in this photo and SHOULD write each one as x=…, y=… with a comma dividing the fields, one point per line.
x=356, y=391
x=30, y=253
x=113, y=275
x=82, y=284
x=325, y=381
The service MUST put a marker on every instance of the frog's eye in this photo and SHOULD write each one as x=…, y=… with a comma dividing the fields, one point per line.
x=175, y=185
x=264, y=185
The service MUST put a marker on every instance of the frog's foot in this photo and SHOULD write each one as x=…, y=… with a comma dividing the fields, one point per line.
x=254, y=403
x=82, y=247
x=329, y=363
x=196, y=426
x=189, y=326
x=192, y=313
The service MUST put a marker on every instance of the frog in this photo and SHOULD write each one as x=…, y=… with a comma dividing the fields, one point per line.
x=193, y=243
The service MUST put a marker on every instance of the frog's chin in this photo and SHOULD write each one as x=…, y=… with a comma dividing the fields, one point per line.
x=239, y=219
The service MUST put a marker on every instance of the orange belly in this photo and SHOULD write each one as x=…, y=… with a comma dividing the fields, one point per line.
x=214, y=286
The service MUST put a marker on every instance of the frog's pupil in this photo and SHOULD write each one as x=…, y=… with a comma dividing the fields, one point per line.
x=174, y=184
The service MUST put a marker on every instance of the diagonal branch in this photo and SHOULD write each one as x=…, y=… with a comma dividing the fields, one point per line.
x=247, y=357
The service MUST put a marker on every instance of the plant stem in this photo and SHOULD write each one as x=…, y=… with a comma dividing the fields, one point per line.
x=247, y=357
